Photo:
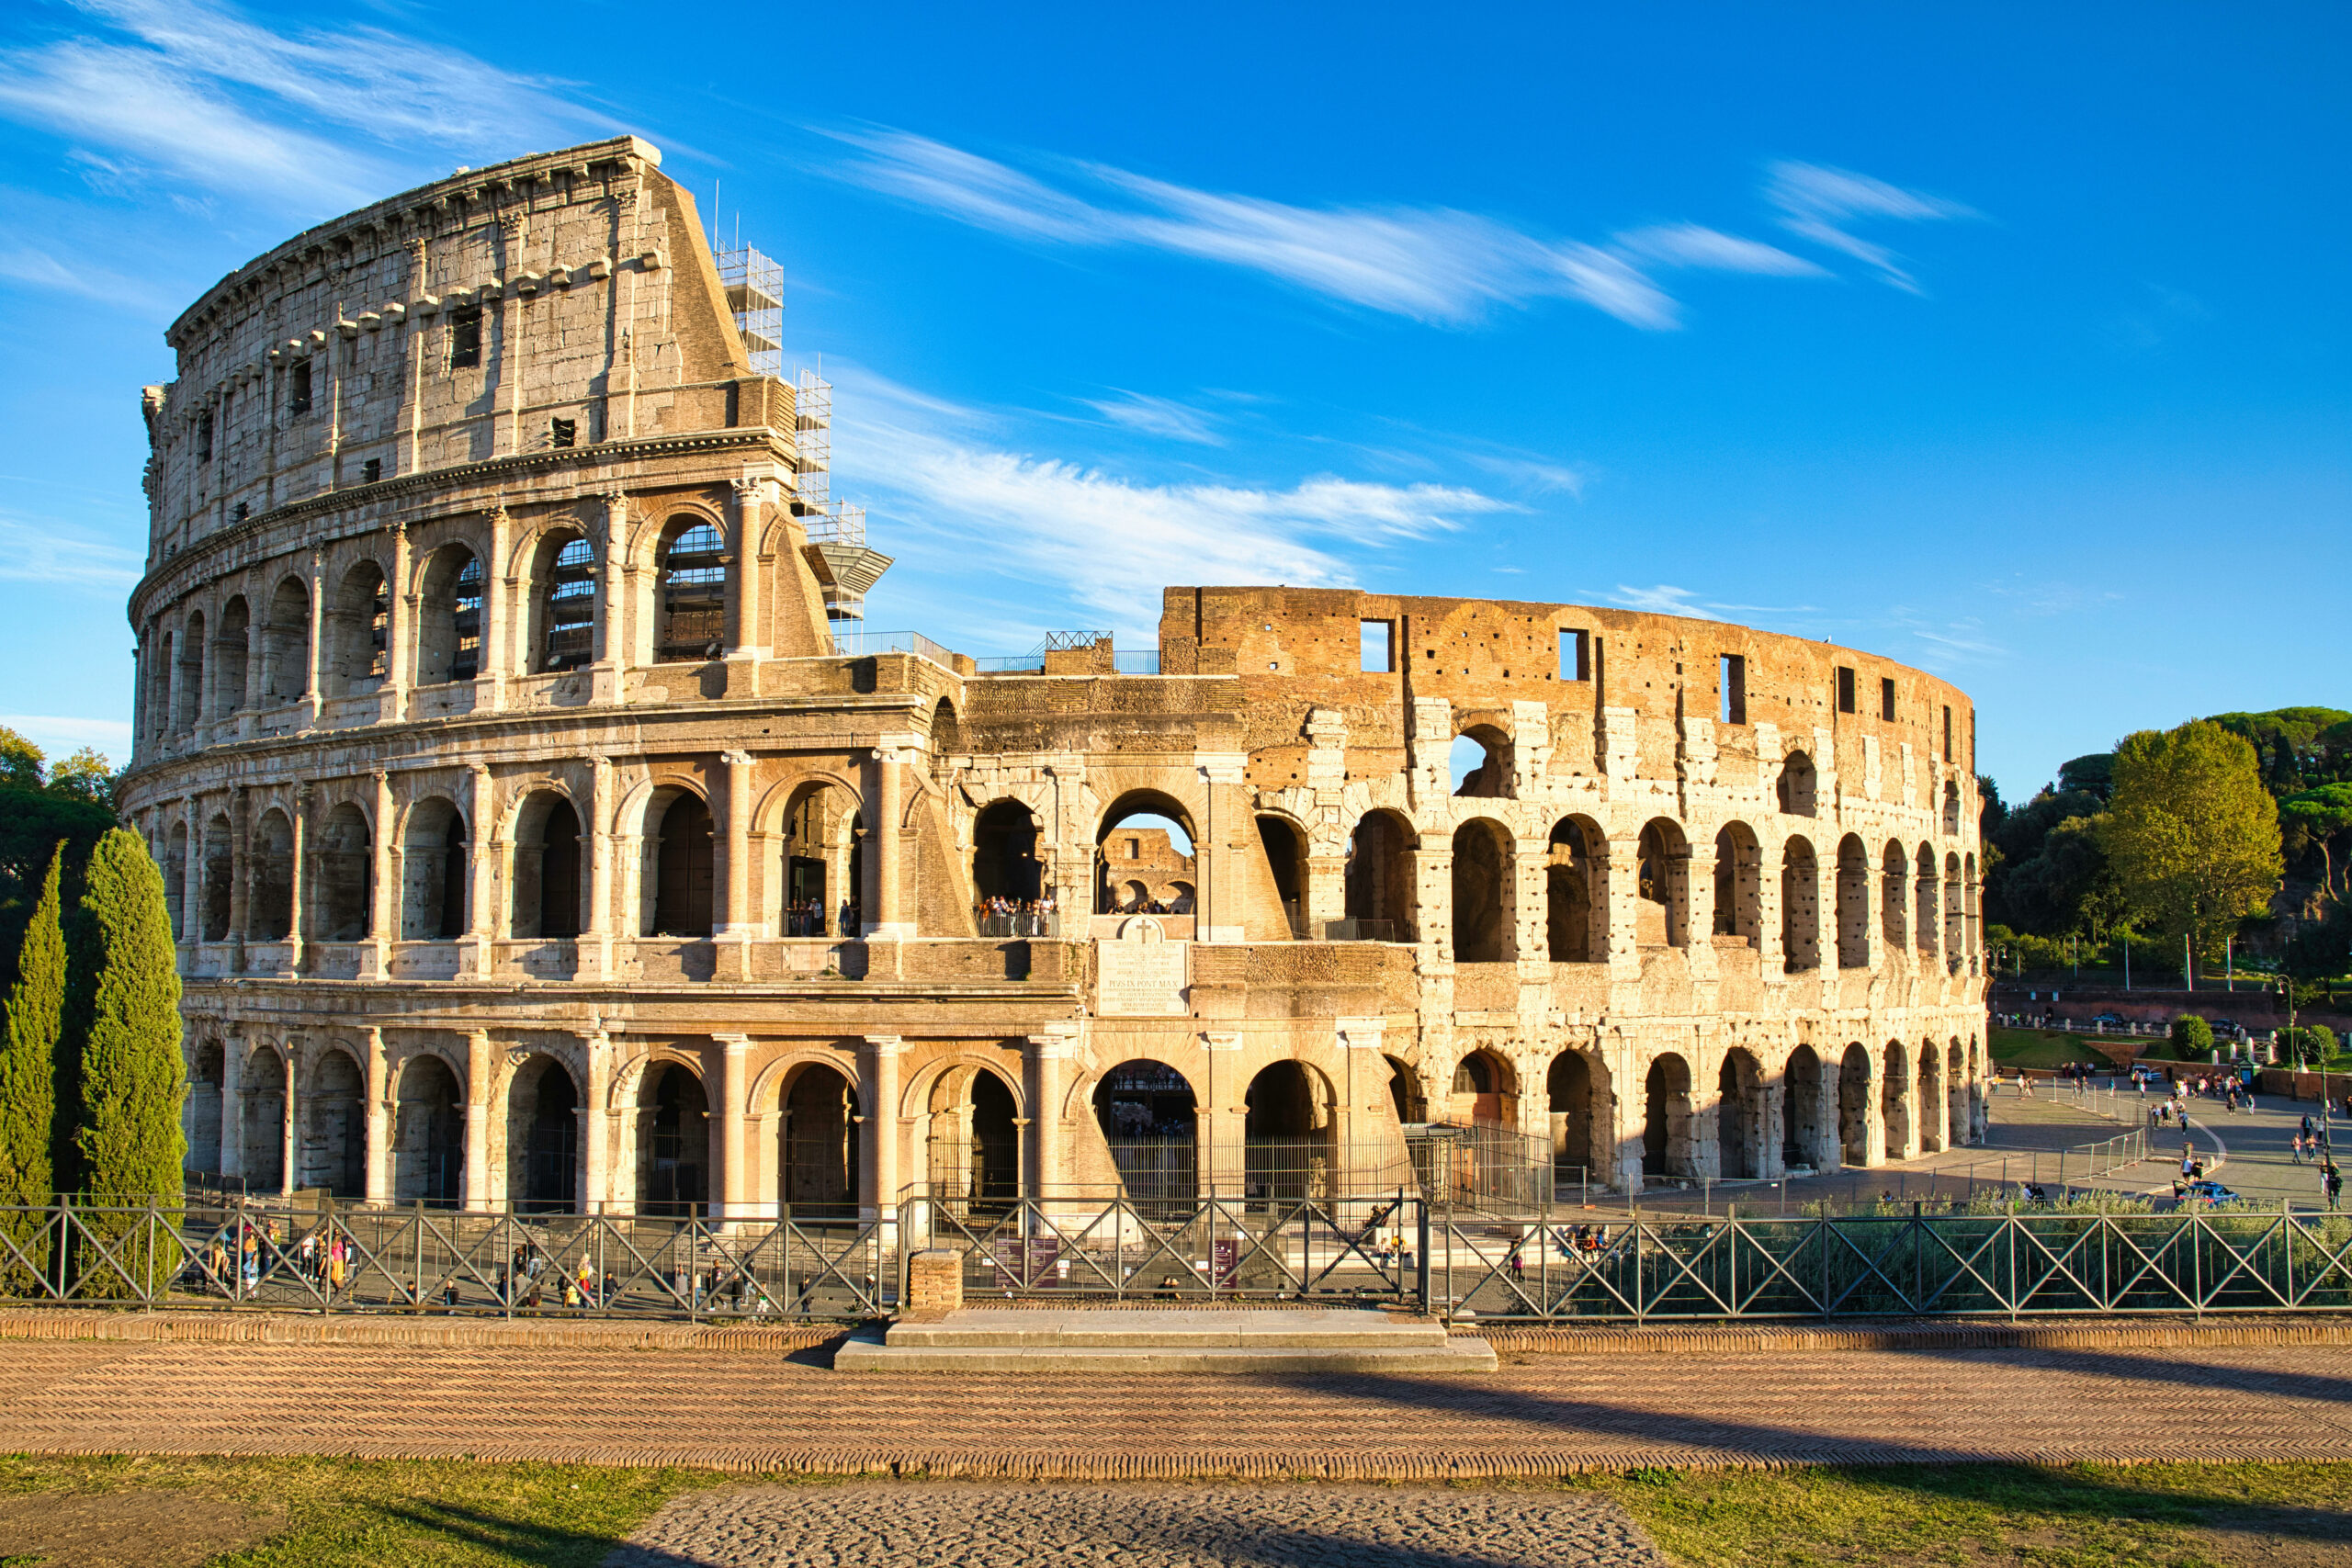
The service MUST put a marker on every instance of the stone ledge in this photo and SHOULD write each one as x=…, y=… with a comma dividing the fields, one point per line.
x=1966, y=1333
x=386, y=1328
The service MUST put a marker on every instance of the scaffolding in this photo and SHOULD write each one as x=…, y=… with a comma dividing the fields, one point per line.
x=755, y=285
x=813, y=439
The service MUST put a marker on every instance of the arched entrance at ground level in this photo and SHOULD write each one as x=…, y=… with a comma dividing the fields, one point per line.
x=1575, y=1110
x=1739, y=1118
x=1896, y=1103
x=1380, y=878
x=202, y=1118
x=428, y=1136
x=1931, y=1098
x=1288, y=1131
x=543, y=1137
x=1150, y=1120
x=673, y=1142
x=263, y=1127
x=1666, y=1145
x=1854, y=1106
x=973, y=1150
x=1485, y=1093
x=1802, y=1142
x=817, y=1144
x=1963, y=1127
x=1481, y=863
x=1574, y=898
x=1405, y=1092
x=334, y=1150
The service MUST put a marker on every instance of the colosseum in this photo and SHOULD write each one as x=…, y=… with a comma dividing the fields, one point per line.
x=542, y=829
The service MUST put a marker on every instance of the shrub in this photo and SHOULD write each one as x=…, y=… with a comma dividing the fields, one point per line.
x=2192, y=1037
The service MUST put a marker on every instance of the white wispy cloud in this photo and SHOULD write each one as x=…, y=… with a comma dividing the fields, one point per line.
x=1430, y=264
x=60, y=735
x=45, y=553
x=1821, y=203
x=1160, y=416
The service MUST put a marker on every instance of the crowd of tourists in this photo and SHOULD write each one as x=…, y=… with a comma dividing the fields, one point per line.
x=805, y=916
x=1018, y=916
x=248, y=1250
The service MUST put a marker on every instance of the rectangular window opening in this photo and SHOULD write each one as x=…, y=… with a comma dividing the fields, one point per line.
x=371, y=470
x=1376, y=647
x=1844, y=689
x=465, y=337
x=1886, y=698
x=297, y=393
x=562, y=432
x=1731, y=683
x=1947, y=733
x=204, y=436
x=1575, y=655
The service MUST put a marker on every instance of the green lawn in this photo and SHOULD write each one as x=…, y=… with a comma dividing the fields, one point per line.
x=330, y=1513
x=2042, y=1048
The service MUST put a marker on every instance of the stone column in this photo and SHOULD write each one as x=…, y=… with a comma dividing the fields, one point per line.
x=729, y=1199
x=595, y=946
x=400, y=630
x=240, y=865
x=1217, y=898
x=1050, y=1056
x=885, y=922
x=289, y=1165
x=1530, y=937
x=482, y=878
x=1771, y=1163
x=880, y=1094
x=1432, y=894
x=310, y=687
x=384, y=910
x=1358, y=1040
x=1624, y=894
x=612, y=653
x=744, y=518
x=192, y=872
x=498, y=618
x=296, y=924
x=232, y=1103
x=1222, y=1118
x=479, y=1071
x=1874, y=1109
x=596, y=1126
x=731, y=920
x=379, y=1121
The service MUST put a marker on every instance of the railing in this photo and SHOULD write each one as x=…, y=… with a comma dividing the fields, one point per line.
x=1019, y=922
x=1359, y=930
x=865, y=645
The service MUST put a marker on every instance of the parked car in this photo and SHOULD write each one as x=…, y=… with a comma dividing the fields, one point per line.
x=2225, y=1028
x=2210, y=1193
x=2108, y=1020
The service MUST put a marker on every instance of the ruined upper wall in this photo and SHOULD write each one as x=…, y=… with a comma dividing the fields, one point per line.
x=562, y=299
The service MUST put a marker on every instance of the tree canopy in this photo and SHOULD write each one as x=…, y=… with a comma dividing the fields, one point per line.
x=2191, y=834
x=41, y=808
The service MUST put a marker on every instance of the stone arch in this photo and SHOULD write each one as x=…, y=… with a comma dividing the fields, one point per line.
x=677, y=882
x=1853, y=904
x=1740, y=883
x=1405, y=1093
x=972, y=1111
x=428, y=1132
x=1576, y=1101
x=334, y=1143
x=232, y=649
x=1379, y=877
x=1808, y=1137
x=261, y=1127
x=176, y=853
x=434, y=867
x=1932, y=1118
x=946, y=736
x=358, y=632
x=543, y=1160
x=1131, y=804
x=208, y=1075
x=1284, y=841
x=694, y=583
x=1662, y=900
x=1951, y=808
x=563, y=589
x=1669, y=1118
x=1800, y=906
x=821, y=859
x=269, y=896
x=818, y=1118
x=1739, y=1116
x=1575, y=892
x=1930, y=924
x=1894, y=1103
x=1797, y=785
x=1894, y=898
x=670, y=1137
x=285, y=641
x=1484, y=1092
x=187, y=702
x=1490, y=774
x=1855, y=1086
x=1290, y=1130
x=1482, y=888
x=341, y=876
x=1959, y=1092
x=1150, y=1118
x=1006, y=862
x=546, y=893
x=450, y=584
x=218, y=879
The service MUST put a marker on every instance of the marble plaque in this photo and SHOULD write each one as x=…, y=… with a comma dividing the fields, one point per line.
x=1140, y=974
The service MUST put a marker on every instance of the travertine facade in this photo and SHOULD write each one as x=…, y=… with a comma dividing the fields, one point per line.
x=515, y=800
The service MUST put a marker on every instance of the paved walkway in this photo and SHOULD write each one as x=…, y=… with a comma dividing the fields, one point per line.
x=935, y=1526
x=1540, y=1414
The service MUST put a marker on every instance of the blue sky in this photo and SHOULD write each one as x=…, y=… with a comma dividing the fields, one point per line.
x=2008, y=342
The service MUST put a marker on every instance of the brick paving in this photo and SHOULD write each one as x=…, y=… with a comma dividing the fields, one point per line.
x=999, y=1525
x=1540, y=1414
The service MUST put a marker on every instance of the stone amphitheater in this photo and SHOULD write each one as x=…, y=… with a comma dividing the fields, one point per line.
x=542, y=829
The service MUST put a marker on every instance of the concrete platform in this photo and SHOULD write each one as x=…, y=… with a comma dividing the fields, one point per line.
x=1176, y=1340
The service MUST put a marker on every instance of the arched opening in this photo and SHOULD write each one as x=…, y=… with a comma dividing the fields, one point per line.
x=187, y=704
x=1853, y=904
x=673, y=1142
x=1961, y=1125
x=1955, y=916
x=428, y=1136
x=1575, y=897
x=1006, y=873
x=358, y=626
x=448, y=623
x=1930, y=919
x=219, y=877
x=1481, y=864
x=1405, y=1093
x=263, y=1126
x=1894, y=898
x=947, y=738
x=563, y=603
x=1150, y=1118
x=543, y=1137
x=1931, y=1098
x=1484, y=1092
x=690, y=569
x=203, y=1116
x=546, y=879
x=1894, y=1104
x=334, y=1128
x=285, y=645
x=820, y=1145
x=1662, y=909
x=1802, y=1147
x=973, y=1152
x=1285, y=852
x=1739, y=885
x=824, y=861
x=175, y=880
x=158, y=663
x=269, y=913
x=1480, y=762
x=432, y=872
x=1854, y=1106
x=1972, y=894
x=1951, y=808
x=1739, y=1117
x=1146, y=841
x=1799, y=907
x=678, y=869
x=1795, y=786
x=232, y=648
x=1287, y=1130
x=1575, y=1113
x=1667, y=1141
x=342, y=878
x=1380, y=879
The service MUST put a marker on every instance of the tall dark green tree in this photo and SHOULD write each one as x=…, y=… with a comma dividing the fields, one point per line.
x=28, y=1084
x=123, y=1024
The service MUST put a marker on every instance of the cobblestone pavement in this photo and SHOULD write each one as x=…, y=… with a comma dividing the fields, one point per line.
x=1136, y=1527
x=1540, y=1414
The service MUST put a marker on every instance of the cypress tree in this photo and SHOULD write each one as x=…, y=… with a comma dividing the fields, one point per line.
x=27, y=1083
x=124, y=1026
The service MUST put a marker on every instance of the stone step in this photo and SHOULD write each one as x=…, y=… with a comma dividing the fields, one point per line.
x=866, y=1351
x=1173, y=1328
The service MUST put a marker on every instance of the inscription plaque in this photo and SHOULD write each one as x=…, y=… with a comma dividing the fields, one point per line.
x=1140, y=972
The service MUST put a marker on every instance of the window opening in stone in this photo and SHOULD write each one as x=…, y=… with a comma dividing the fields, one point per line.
x=1573, y=899
x=204, y=436
x=1739, y=863
x=465, y=337
x=564, y=431
x=219, y=877
x=343, y=870
x=1952, y=807
x=1379, y=880
x=1853, y=1106
x=286, y=642
x=1376, y=647
x=571, y=607
x=1853, y=904
x=269, y=912
x=682, y=869
x=1149, y=1116
x=693, y=577
x=1886, y=698
x=1731, y=688
x=1896, y=1103
x=1005, y=867
x=187, y=701
x=1286, y=860
x=358, y=621
x=1795, y=786
x=264, y=1122
x=1158, y=874
x=1894, y=898
x=433, y=865
x=974, y=1149
x=465, y=620
x=1575, y=655
x=371, y=470
x=823, y=861
x=818, y=1146
x=1662, y=895
x=175, y=880
x=1947, y=734
x=232, y=646
x=1569, y=1104
x=1739, y=1117
x=1799, y=907
x=1801, y=1142
x=1405, y=1093
x=298, y=394
x=1480, y=763
x=244, y=510
x=547, y=869
x=1480, y=867
x=1844, y=689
